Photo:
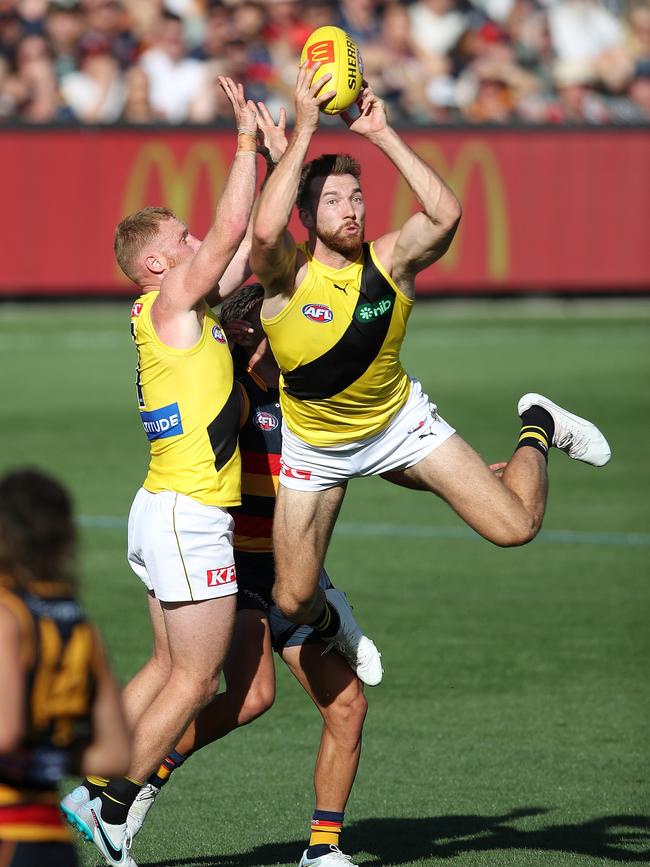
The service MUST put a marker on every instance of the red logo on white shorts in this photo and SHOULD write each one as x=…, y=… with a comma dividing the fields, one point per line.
x=291, y=473
x=226, y=575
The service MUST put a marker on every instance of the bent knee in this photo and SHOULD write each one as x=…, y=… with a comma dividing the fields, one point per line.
x=348, y=714
x=515, y=534
x=255, y=704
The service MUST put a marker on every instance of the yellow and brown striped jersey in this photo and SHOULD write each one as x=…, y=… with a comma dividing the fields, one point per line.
x=60, y=658
x=337, y=343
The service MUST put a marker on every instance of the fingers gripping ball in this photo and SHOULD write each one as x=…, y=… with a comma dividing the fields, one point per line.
x=338, y=54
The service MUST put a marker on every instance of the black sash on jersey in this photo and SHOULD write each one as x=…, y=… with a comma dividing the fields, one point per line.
x=347, y=360
x=223, y=430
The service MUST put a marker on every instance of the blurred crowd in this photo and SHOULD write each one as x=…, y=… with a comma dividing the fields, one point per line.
x=432, y=61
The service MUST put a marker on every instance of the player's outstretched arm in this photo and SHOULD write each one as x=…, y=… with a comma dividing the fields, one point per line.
x=274, y=250
x=271, y=144
x=184, y=286
x=425, y=236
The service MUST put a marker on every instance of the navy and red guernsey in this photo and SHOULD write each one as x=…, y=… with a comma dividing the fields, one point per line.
x=260, y=444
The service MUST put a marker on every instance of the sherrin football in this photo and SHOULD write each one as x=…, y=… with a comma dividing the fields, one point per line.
x=338, y=54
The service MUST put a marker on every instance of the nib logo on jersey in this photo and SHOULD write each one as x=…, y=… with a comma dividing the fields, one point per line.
x=162, y=423
x=368, y=312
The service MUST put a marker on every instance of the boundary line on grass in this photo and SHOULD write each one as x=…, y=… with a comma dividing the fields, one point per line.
x=413, y=531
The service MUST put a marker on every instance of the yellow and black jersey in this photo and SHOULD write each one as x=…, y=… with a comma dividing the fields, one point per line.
x=337, y=342
x=189, y=409
x=60, y=658
x=260, y=442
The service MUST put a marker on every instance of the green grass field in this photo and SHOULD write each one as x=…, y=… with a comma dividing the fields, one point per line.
x=512, y=724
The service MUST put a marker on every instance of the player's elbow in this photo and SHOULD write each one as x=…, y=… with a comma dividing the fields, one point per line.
x=449, y=214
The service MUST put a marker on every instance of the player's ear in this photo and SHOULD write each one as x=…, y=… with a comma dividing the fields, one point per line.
x=155, y=264
x=306, y=218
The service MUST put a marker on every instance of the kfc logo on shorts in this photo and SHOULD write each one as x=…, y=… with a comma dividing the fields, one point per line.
x=292, y=473
x=317, y=313
x=218, y=333
x=136, y=310
x=226, y=575
x=266, y=421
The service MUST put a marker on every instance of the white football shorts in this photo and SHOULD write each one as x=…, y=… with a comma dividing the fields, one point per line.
x=413, y=433
x=181, y=549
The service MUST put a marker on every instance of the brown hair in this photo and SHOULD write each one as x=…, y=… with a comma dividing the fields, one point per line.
x=327, y=164
x=241, y=302
x=37, y=530
x=134, y=232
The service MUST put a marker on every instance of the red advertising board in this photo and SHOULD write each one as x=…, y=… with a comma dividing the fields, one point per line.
x=544, y=210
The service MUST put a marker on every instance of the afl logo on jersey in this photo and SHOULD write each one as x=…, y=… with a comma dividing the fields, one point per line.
x=217, y=333
x=317, y=313
x=266, y=421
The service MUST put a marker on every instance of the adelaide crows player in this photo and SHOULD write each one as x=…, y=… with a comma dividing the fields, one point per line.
x=335, y=312
x=61, y=711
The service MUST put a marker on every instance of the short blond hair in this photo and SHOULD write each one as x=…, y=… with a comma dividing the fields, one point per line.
x=134, y=232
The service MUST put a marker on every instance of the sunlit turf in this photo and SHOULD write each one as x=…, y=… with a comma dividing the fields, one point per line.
x=511, y=726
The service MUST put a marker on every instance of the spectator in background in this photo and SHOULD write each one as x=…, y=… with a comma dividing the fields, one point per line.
x=137, y=104
x=360, y=18
x=180, y=87
x=31, y=90
x=109, y=20
x=64, y=28
x=95, y=93
x=437, y=25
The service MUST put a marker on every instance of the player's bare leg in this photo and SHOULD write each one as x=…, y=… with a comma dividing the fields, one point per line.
x=250, y=680
x=144, y=686
x=302, y=529
x=338, y=695
x=507, y=510
x=250, y=692
x=198, y=634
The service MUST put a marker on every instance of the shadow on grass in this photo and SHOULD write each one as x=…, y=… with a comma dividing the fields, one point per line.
x=622, y=839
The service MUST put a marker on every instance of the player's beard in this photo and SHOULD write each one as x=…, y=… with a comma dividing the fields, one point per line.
x=340, y=241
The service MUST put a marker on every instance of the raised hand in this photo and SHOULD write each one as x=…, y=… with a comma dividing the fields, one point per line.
x=371, y=116
x=240, y=331
x=245, y=111
x=271, y=137
x=309, y=96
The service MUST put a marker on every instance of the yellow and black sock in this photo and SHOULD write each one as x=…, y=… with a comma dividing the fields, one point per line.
x=117, y=798
x=537, y=429
x=173, y=761
x=325, y=832
x=95, y=785
x=328, y=623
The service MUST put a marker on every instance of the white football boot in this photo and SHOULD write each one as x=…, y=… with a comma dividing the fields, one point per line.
x=140, y=807
x=113, y=841
x=334, y=858
x=576, y=436
x=73, y=802
x=359, y=650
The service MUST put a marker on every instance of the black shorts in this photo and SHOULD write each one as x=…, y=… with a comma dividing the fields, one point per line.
x=255, y=578
x=41, y=854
